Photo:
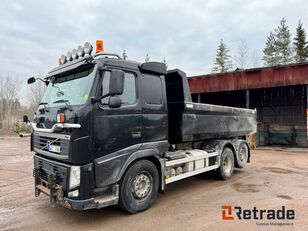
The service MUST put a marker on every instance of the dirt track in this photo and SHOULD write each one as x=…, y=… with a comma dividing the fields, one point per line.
x=275, y=178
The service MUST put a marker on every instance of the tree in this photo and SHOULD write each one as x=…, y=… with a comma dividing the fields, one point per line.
x=2, y=87
x=147, y=58
x=222, y=61
x=255, y=59
x=10, y=92
x=300, y=44
x=165, y=62
x=270, y=52
x=283, y=43
x=2, y=101
x=36, y=92
x=124, y=54
x=241, y=57
x=278, y=46
x=9, y=104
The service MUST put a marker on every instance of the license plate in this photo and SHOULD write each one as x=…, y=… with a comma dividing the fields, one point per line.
x=54, y=148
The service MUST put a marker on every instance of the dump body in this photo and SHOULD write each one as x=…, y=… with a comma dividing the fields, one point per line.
x=189, y=122
x=194, y=121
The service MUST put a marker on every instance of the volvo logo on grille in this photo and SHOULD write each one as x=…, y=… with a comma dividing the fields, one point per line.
x=48, y=144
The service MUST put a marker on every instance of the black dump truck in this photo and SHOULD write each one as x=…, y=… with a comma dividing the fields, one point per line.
x=111, y=131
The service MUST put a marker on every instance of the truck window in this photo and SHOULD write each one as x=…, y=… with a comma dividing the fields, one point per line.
x=152, y=89
x=129, y=93
x=73, y=88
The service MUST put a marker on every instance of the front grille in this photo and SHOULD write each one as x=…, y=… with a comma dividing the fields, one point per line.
x=56, y=172
x=43, y=141
x=45, y=168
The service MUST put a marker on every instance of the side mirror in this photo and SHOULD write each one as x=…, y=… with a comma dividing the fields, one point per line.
x=116, y=85
x=115, y=101
x=25, y=119
x=31, y=80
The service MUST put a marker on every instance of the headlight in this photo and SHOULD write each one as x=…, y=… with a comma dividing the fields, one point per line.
x=74, y=193
x=74, y=177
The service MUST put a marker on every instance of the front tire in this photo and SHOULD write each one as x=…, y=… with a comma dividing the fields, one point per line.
x=139, y=187
x=226, y=167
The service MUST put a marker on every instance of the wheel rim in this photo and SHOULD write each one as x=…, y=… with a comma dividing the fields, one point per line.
x=227, y=164
x=142, y=185
x=243, y=154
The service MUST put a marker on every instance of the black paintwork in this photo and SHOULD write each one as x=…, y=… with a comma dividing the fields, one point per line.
x=121, y=132
x=189, y=122
x=110, y=138
x=80, y=138
x=153, y=67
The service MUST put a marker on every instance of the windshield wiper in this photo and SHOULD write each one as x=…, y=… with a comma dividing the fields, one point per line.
x=62, y=101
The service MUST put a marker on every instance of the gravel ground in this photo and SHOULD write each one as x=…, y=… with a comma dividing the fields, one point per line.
x=276, y=177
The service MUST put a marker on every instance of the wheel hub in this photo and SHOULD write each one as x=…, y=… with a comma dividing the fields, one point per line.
x=227, y=164
x=141, y=186
x=243, y=154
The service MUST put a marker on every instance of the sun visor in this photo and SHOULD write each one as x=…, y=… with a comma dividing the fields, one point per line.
x=69, y=66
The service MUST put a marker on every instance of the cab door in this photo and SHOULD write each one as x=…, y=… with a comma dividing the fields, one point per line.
x=115, y=129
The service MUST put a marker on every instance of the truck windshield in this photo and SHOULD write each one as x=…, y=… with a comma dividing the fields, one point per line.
x=70, y=89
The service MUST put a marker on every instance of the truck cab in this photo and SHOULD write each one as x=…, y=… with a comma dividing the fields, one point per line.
x=111, y=131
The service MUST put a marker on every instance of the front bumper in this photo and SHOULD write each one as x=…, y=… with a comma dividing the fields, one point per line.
x=55, y=193
x=93, y=203
x=51, y=178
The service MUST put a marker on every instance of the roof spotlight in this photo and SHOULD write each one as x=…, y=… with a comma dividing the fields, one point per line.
x=74, y=54
x=87, y=48
x=63, y=59
x=69, y=56
x=80, y=51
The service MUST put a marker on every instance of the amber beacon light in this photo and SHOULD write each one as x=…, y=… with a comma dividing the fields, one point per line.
x=99, y=46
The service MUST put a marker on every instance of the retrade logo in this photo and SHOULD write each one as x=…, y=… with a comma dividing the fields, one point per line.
x=229, y=212
x=226, y=212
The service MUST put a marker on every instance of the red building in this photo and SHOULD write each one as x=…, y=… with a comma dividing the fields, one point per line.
x=279, y=93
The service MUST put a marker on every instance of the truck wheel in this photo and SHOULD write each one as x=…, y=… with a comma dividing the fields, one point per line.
x=139, y=187
x=226, y=167
x=243, y=154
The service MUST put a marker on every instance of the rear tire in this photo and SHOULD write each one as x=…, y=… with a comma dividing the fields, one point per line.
x=139, y=187
x=226, y=167
x=243, y=155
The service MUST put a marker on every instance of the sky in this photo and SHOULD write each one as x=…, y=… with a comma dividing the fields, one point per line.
x=34, y=34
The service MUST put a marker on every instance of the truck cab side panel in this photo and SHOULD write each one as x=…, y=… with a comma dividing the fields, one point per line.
x=123, y=134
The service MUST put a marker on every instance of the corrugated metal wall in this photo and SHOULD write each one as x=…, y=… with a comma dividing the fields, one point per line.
x=287, y=75
x=280, y=105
